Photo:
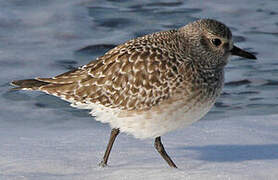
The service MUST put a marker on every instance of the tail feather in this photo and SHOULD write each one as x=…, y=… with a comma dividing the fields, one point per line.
x=28, y=84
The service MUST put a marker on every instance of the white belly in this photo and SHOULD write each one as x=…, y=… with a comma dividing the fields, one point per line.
x=154, y=122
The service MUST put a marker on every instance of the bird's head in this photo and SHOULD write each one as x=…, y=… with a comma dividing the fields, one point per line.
x=209, y=43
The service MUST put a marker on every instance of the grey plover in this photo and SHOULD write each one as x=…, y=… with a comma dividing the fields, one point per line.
x=150, y=85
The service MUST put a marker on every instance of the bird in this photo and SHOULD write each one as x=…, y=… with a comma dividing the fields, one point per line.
x=149, y=85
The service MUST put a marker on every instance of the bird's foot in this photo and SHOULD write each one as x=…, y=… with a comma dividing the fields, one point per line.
x=103, y=164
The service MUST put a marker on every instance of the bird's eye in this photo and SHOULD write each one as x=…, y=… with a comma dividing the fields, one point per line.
x=217, y=42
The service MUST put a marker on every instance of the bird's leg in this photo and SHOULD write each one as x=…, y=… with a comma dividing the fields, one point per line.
x=159, y=147
x=113, y=135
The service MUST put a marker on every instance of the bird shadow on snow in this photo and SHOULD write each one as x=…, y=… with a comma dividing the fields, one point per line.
x=236, y=153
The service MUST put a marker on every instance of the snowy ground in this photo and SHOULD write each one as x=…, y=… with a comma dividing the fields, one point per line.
x=232, y=148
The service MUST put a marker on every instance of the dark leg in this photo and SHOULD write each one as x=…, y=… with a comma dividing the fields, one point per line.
x=113, y=136
x=159, y=147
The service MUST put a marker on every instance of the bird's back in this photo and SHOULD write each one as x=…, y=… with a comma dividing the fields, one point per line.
x=135, y=75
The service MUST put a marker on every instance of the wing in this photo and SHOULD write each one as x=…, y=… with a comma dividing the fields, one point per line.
x=136, y=75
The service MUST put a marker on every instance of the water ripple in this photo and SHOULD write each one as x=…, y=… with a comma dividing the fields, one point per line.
x=96, y=49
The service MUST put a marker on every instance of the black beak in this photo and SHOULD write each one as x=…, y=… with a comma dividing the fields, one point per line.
x=239, y=52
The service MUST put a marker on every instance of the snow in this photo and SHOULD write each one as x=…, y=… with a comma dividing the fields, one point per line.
x=231, y=148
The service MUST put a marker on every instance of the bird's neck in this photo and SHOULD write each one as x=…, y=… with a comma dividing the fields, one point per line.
x=212, y=77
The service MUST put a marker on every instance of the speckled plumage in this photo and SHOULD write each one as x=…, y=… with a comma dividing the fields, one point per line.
x=135, y=75
x=153, y=84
